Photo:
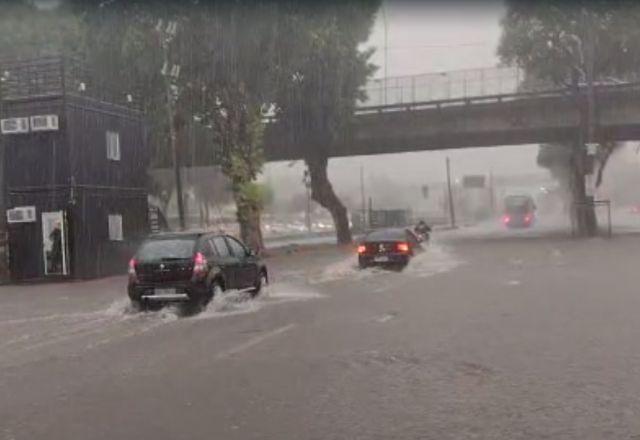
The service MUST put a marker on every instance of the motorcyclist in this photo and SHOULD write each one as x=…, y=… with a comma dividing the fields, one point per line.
x=423, y=229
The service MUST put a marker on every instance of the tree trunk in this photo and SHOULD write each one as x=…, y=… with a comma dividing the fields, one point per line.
x=585, y=217
x=322, y=192
x=248, y=216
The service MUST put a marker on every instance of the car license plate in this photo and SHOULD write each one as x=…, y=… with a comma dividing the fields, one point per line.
x=164, y=291
x=382, y=259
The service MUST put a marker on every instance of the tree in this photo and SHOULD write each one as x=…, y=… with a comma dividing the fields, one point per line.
x=224, y=51
x=232, y=87
x=318, y=90
x=564, y=45
x=26, y=31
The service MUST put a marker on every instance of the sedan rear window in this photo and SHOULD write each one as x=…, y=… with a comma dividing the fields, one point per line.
x=387, y=235
x=167, y=249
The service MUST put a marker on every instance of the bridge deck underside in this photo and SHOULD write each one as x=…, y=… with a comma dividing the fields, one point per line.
x=530, y=120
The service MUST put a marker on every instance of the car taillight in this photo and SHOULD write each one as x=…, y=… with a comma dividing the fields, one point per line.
x=362, y=249
x=132, y=269
x=506, y=219
x=403, y=247
x=199, y=264
x=527, y=218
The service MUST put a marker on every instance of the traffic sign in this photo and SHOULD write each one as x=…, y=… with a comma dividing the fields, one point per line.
x=473, y=181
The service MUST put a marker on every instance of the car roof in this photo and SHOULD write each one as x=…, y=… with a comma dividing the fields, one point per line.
x=182, y=234
x=386, y=234
x=518, y=196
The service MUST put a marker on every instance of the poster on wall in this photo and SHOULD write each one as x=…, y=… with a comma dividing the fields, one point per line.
x=54, y=243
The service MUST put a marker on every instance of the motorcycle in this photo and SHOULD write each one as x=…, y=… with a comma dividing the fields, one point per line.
x=423, y=236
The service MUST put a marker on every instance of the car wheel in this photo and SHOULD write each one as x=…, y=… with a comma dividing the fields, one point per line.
x=216, y=289
x=196, y=304
x=261, y=284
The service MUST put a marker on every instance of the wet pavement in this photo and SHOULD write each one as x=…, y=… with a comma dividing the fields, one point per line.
x=495, y=336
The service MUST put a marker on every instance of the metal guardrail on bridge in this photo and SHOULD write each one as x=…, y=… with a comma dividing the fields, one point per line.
x=442, y=86
x=365, y=108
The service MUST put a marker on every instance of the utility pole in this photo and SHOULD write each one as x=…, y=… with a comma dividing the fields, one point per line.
x=306, y=179
x=362, y=197
x=171, y=73
x=386, y=52
x=591, y=223
x=492, y=194
x=452, y=211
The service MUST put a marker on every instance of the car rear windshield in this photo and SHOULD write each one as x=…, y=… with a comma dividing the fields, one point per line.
x=518, y=203
x=170, y=248
x=387, y=235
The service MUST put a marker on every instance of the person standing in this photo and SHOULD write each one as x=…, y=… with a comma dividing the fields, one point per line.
x=56, y=248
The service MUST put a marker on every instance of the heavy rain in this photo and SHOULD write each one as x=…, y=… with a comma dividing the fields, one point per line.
x=347, y=219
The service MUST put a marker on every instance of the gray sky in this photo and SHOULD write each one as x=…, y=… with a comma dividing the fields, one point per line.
x=425, y=38
x=428, y=37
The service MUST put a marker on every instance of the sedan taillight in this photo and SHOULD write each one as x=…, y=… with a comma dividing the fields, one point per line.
x=362, y=249
x=403, y=247
x=133, y=276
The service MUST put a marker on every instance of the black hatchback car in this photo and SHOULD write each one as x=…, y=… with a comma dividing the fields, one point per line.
x=192, y=268
x=388, y=247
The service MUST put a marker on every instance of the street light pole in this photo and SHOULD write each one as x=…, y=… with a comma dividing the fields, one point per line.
x=166, y=36
x=386, y=52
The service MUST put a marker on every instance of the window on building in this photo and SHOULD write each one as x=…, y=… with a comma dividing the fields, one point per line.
x=115, y=227
x=113, y=145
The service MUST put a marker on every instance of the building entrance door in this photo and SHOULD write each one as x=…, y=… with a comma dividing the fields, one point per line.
x=55, y=249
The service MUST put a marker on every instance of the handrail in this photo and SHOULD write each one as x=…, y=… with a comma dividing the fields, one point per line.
x=497, y=97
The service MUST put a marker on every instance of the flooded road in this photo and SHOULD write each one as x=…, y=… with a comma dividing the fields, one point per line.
x=497, y=338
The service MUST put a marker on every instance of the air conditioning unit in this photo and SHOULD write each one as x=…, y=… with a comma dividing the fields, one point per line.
x=21, y=214
x=44, y=122
x=14, y=125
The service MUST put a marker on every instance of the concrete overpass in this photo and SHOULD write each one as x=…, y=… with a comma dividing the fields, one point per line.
x=475, y=121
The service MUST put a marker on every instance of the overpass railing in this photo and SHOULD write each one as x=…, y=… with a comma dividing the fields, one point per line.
x=363, y=108
x=442, y=86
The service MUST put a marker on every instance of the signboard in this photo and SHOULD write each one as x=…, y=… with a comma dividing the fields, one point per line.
x=473, y=181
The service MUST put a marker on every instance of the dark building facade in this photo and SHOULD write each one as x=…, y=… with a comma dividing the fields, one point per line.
x=74, y=173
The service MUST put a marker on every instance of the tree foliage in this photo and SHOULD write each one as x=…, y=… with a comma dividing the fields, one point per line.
x=26, y=31
x=544, y=38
